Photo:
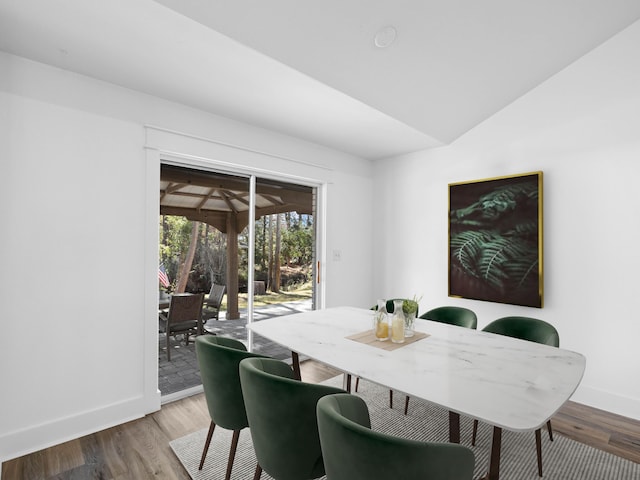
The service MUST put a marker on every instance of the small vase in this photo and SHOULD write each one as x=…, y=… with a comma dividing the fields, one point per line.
x=409, y=320
x=397, y=323
x=381, y=322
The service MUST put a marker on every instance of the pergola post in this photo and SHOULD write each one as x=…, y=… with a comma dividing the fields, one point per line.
x=232, y=267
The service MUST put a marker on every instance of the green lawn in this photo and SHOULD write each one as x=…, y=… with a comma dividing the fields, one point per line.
x=302, y=293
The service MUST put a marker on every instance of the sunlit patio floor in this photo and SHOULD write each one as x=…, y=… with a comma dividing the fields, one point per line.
x=182, y=371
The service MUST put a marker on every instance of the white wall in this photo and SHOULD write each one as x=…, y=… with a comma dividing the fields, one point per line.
x=582, y=129
x=78, y=205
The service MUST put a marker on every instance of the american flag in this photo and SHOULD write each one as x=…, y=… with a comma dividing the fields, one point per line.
x=162, y=276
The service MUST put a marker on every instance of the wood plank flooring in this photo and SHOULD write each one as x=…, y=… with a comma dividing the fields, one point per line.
x=603, y=430
x=140, y=449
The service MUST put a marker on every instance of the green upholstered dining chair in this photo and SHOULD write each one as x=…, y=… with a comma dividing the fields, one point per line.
x=282, y=418
x=352, y=451
x=533, y=330
x=458, y=316
x=219, y=359
x=390, y=309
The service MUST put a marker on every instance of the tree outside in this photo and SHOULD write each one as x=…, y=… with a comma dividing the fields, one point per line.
x=194, y=254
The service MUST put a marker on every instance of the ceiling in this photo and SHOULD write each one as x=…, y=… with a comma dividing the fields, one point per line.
x=312, y=69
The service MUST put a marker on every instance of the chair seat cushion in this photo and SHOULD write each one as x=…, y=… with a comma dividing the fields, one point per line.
x=184, y=326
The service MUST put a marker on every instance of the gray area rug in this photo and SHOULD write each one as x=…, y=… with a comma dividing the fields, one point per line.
x=562, y=459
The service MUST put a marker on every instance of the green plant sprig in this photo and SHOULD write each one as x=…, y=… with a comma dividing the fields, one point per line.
x=411, y=306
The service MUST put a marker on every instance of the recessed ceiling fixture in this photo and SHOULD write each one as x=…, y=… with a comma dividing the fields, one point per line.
x=385, y=37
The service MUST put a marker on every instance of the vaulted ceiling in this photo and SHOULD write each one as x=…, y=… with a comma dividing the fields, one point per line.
x=316, y=70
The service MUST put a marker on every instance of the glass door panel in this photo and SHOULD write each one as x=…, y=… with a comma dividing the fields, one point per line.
x=202, y=217
x=251, y=239
x=284, y=255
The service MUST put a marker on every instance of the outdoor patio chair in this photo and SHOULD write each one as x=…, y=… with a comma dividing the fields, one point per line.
x=184, y=317
x=211, y=307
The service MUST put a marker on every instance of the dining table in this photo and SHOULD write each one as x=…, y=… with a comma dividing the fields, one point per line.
x=508, y=383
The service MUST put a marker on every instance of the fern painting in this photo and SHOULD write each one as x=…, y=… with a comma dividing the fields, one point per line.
x=495, y=239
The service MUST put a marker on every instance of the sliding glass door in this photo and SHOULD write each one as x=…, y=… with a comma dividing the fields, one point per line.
x=253, y=239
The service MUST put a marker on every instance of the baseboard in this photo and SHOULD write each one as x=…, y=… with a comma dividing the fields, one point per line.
x=603, y=400
x=172, y=397
x=18, y=443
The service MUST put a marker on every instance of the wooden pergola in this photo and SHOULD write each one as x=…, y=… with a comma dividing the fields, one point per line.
x=222, y=201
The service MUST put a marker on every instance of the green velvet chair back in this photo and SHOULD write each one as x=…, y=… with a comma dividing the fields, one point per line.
x=219, y=359
x=460, y=316
x=282, y=419
x=352, y=451
x=390, y=305
x=525, y=328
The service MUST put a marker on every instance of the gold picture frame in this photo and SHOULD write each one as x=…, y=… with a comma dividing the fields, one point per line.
x=495, y=239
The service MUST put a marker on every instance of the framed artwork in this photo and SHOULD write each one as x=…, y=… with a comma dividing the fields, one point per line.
x=495, y=239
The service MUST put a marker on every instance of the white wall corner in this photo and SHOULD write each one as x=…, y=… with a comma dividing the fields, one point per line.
x=611, y=402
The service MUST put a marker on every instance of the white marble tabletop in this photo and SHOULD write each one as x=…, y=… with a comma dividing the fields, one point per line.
x=508, y=383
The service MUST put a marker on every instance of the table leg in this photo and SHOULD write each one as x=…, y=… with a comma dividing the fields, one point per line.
x=295, y=364
x=539, y=451
x=346, y=382
x=494, y=463
x=454, y=427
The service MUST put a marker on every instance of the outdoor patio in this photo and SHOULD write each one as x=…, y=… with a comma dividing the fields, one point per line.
x=182, y=371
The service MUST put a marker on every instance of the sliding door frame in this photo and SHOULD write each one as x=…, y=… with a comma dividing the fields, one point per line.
x=154, y=159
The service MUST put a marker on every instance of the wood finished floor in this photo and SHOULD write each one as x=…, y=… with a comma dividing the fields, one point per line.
x=140, y=449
